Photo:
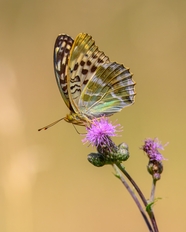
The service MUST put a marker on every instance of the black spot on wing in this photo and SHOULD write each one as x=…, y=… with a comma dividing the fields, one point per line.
x=89, y=62
x=66, y=50
x=93, y=69
x=100, y=60
x=82, y=63
x=63, y=66
x=64, y=88
x=84, y=71
x=85, y=82
x=94, y=56
x=76, y=66
x=63, y=80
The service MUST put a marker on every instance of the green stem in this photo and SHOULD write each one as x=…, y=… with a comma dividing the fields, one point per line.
x=115, y=166
x=150, y=212
x=153, y=191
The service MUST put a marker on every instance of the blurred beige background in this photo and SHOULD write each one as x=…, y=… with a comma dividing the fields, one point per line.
x=46, y=182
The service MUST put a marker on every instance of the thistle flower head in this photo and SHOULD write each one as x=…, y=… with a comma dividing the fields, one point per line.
x=151, y=148
x=100, y=131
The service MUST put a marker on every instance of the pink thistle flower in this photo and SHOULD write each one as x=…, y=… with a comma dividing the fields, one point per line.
x=100, y=131
x=151, y=148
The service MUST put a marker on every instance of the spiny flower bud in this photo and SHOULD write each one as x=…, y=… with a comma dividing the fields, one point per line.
x=155, y=168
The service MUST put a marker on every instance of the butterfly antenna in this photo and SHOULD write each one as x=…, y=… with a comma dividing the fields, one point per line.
x=50, y=125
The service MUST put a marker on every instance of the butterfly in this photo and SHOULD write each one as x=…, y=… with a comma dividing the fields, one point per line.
x=90, y=85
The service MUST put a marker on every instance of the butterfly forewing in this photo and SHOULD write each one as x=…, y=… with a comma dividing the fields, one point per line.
x=84, y=60
x=62, y=49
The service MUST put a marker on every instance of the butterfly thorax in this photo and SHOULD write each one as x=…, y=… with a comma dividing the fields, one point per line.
x=77, y=119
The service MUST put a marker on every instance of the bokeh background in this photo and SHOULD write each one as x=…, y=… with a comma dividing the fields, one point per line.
x=46, y=182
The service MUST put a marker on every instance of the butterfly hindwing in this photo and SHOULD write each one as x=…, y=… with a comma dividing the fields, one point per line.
x=108, y=91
